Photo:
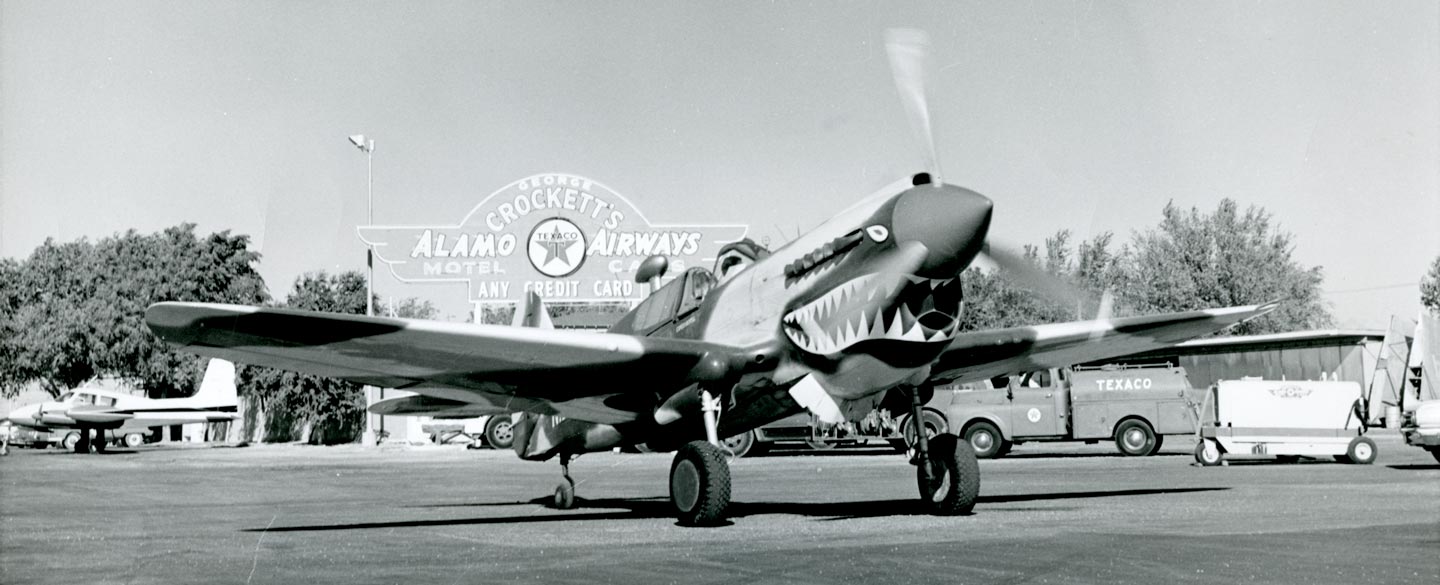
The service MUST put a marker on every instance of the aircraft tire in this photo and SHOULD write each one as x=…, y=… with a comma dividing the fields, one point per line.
x=700, y=484
x=986, y=441
x=134, y=440
x=499, y=434
x=71, y=439
x=955, y=484
x=565, y=495
x=1135, y=438
x=1361, y=451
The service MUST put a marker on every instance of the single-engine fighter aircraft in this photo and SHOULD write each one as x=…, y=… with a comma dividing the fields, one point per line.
x=95, y=412
x=865, y=305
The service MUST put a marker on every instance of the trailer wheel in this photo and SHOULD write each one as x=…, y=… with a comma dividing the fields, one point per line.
x=985, y=440
x=1135, y=438
x=1361, y=451
x=499, y=433
x=1208, y=453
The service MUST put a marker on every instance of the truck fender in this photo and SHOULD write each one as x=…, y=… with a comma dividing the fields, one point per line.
x=994, y=420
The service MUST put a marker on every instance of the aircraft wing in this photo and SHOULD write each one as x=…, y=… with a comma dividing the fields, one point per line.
x=599, y=377
x=978, y=355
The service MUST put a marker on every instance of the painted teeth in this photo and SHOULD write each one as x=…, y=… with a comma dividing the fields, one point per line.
x=816, y=329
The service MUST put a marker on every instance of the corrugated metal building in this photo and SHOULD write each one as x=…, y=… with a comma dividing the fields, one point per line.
x=1330, y=354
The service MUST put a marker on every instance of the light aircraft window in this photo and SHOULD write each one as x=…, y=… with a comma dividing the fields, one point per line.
x=86, y=399
x=104, y=401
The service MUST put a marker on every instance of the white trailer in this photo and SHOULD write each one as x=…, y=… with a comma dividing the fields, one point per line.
x=1284, y=419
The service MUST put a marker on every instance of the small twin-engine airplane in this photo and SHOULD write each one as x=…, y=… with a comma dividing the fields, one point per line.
x=866, y=305
x=96, y=412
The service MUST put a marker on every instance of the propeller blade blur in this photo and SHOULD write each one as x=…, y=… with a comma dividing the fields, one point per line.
x=907, y=49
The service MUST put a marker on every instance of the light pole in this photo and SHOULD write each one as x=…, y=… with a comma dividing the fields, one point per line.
x=368, y=147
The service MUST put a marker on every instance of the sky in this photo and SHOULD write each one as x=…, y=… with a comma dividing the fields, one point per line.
x=1081, y=116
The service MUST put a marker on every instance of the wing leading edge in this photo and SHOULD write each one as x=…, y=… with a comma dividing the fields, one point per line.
x=978, y=355
x=508, y=368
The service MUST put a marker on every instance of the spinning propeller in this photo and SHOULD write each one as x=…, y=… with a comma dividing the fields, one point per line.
x=908, y=50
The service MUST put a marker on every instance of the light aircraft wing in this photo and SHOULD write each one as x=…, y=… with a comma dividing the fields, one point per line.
x=599, y=377
x=979, y=355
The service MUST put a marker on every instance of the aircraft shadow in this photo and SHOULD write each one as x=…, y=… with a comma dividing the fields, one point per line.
x=1416, y=466
x=652, y=508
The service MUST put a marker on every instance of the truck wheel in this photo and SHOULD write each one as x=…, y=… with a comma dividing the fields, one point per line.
x=71, y=438
x=744, y=444
x=1361, y=451
x=134, y=440
x=1208, y=453
x=1135, y=438
x=934, y=426
x=498, y=432
x=985, y=440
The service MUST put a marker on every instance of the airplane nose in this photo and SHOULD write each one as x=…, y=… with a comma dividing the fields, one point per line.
x=950, y=221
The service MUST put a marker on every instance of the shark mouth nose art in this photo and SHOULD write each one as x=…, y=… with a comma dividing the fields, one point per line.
x=894, y=307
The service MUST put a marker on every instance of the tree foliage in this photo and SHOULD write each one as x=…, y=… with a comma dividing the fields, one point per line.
x=331, y=410
x=1226, y=258
x=1190, y=261
x=75, y=310
x=1430, y=288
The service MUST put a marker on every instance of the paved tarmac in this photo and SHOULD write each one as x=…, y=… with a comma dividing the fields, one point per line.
x=1047, y=514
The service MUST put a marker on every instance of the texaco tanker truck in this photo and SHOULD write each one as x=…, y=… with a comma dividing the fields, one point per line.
x=1135, y=406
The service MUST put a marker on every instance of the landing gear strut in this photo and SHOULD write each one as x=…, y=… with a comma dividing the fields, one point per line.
x=948, y=476
x=700, y=476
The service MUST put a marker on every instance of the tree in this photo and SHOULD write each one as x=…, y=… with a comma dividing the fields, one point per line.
x=1430, y=288
x=1225, y=258
x=76, y=310
x=327, y=410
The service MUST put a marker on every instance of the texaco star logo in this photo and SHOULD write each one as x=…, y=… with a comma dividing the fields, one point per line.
x=556, y=247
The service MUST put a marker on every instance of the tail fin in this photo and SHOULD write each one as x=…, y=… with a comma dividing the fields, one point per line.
x=218, y=386
x=531, y=313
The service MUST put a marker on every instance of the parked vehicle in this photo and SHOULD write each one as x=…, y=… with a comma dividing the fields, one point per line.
x=1136, y=406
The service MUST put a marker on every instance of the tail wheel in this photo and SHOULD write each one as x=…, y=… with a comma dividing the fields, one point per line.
x=499, y=433
x=1135, y=438
x=953, y=481
x=1361, y=451
x=986, y=441
x=565, y=495
x=700, y=484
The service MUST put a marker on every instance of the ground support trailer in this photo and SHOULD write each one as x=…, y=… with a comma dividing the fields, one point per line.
x=1286, y=420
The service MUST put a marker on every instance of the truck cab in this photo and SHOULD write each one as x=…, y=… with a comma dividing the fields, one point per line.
x=1133, y=405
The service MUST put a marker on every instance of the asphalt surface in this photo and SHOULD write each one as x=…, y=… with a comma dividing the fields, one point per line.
x=1047, y=514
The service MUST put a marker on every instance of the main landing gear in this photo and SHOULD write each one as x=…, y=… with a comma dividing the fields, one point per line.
x=945, y=469
x=699, y=476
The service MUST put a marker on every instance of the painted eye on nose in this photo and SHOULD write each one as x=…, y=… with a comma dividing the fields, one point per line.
x=878, y=233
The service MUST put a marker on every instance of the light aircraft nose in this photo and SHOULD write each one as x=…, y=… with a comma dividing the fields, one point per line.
x=950, y=221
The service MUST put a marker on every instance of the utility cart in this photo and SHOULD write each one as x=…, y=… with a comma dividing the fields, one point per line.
x=1283, y=419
